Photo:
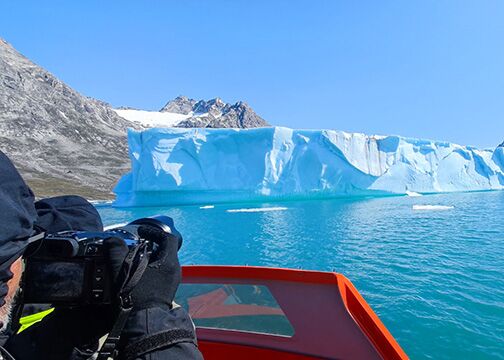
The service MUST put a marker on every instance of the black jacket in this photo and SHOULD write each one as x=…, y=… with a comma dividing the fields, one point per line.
x=65, y=335
x=73, y=333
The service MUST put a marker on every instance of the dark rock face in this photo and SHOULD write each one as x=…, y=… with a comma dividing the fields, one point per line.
x=54, y=134
x=501, y=145
x=215, y=113
x=179, y=105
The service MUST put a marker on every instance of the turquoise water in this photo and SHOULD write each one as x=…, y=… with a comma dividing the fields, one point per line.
x=435, y=278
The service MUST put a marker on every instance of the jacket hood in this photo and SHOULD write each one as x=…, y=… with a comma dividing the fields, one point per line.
x=17, y=216
x=69, y=212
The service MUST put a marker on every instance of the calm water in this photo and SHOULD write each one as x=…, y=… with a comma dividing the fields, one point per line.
x=435, y=278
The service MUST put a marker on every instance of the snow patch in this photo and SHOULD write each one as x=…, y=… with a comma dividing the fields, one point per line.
x=152, y=118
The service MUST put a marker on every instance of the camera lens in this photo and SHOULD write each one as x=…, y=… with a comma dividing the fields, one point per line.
x=163, y=223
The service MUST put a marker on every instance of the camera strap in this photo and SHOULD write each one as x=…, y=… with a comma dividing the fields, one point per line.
x=133, y=267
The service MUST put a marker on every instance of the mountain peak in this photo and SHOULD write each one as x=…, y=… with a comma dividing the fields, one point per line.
x=242, y=105
x=179, y=105
x=214, y=107
x=214, y=113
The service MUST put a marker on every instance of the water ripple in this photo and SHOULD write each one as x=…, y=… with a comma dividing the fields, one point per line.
x=435, y=278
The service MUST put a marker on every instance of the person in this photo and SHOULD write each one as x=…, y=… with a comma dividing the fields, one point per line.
x=155, y=329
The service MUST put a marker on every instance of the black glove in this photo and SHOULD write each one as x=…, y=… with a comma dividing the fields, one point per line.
x=160, y=281
x=154, y=330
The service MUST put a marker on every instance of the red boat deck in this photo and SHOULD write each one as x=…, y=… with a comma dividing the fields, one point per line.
x=268, y=313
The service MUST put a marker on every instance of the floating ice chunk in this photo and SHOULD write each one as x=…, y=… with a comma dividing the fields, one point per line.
x=108, y=227
x=432, y=207
x=250, y=210
x=207, y=207
x=412, y=193
x=101, y=202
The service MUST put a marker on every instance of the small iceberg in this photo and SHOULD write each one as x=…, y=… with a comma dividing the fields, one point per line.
x=251, y=210
x=101, y=203
x=108, y=227
x=207, y=207
x=432, y=207
x=412, y=193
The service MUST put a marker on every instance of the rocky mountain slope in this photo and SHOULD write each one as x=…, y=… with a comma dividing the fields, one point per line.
x=61, y=141
x=64, y=142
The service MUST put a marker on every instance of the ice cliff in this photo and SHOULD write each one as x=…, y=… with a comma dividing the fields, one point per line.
x=184, y=166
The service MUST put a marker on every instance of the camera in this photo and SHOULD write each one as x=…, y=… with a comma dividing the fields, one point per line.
x=69, y=267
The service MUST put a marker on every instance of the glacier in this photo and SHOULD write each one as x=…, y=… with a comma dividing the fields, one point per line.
x=175, y=166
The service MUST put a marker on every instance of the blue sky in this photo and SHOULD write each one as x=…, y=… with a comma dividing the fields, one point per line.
x=429, y=69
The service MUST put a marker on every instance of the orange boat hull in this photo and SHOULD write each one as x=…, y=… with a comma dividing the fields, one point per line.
x=271, y=313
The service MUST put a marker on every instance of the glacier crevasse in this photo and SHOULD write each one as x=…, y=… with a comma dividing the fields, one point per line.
x=188, y=166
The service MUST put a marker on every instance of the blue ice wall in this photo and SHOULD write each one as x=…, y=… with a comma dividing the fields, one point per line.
x=190, y=166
